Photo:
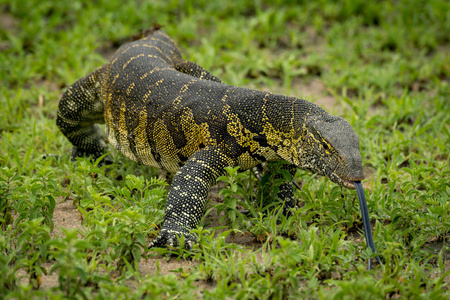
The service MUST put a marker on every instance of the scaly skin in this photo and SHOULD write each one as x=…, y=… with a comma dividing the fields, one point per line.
x=169, y=113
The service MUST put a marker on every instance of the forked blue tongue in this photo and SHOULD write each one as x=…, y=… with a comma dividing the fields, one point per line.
x=366, y=220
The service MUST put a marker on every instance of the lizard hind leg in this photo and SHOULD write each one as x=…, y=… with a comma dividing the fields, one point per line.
x=79, y=113
x=191, y=68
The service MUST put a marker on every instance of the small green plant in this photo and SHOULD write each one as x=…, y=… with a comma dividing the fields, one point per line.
x=146, y=194
x=128, y=242
x=259, y=228
x=10, y=185
x=41, y=191
x=212, y=250
x=88, y=175
x=121, y=217
x=71, y=264
x=234, y=196
x=32, y=248
x=8, y=279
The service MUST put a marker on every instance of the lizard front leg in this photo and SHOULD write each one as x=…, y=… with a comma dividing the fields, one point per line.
x=188, y=195
x=286, y=189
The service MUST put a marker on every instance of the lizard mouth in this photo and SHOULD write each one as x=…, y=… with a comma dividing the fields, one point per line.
x=347, y=183
x=340, y=179
x=345, y=180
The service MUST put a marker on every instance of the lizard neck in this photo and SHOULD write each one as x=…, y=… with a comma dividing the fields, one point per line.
x=276, y=123
x=284, y=125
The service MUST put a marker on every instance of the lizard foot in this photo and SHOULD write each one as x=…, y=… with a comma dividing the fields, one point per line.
x=287, y=211
x=172, y=238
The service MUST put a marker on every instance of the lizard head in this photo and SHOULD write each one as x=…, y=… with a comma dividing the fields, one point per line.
x=330, y=148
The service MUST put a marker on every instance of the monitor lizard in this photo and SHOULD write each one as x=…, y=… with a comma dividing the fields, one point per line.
x=170, y=113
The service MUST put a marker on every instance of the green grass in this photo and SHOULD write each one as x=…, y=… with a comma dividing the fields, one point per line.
x=385, y=63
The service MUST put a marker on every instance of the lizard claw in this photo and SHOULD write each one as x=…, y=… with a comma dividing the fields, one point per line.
x=188, y=245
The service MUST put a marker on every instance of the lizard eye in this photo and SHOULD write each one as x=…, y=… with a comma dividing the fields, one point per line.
x=325, y=146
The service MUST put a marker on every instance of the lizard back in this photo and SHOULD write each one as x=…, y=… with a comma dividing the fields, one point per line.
x=150, y=106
